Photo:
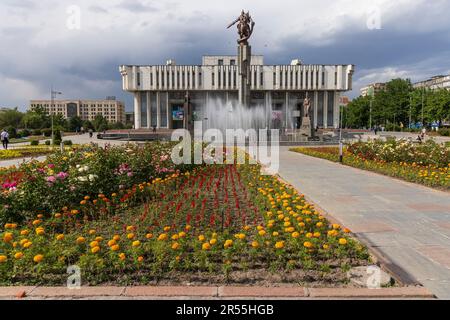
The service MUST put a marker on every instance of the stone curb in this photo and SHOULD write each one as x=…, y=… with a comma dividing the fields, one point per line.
x=226, y=292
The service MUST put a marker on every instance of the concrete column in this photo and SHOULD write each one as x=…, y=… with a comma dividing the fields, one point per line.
x=158, y=111
x=167, y=110
x=337, y=111
x=149, y=111
x=268, y=96
x=325, y=109
x=316, y=106
x=286, y=109
x=137, y=110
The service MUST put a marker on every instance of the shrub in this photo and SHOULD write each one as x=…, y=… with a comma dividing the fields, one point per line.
x=47, y=132
x=444, y=132
x=37, y=132
x=34, y=142
x=12, y=132
x=67, y=142
x=47, y=142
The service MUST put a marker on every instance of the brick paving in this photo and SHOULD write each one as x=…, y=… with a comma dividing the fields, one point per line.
x=407, y=223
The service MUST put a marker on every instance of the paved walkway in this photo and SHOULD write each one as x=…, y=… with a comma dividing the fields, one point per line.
x=409, y=224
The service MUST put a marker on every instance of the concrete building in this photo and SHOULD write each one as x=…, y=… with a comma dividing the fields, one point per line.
x=436, y=82
x=376, y=87
x=160, y=90
x=111, y=109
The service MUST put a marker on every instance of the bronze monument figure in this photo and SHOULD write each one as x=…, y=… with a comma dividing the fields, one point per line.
x=245, y=27
x=306, y=107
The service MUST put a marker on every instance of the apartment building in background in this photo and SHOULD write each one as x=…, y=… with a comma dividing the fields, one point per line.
x=436, y=82
x=110, y=108
x=375, y=87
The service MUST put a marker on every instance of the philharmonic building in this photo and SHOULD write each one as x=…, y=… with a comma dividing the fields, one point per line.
x=160, y=91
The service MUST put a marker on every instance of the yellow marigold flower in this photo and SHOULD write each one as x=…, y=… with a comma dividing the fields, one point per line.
x=213, y=241
x=182, y=234
x=275, y=234
x=111, y=242
x=27, y=244
x=206, y=246
x=319, y=224
x=58, y=215
x=279, y=244
x=175, y=237
x=336, y=226
x=325, y=246
x=92, y=232
x=8, y=236
x=87, y=198
x=295, y=234
x=301, y=224
x=136, y=243
x=74, y=212
x=175, y=245
x=214, y=235
x=309, y=235
x=259, y=228
x=83, y=202
x=261, y=232
x=228, y=243
x=18, y=255
x=40, y=231
x=81, y=240
x=122, y=256
x=240, y=236
x=99, y=239
x=290, y=229
x=166, y=229
x=332, y=233
x=342, y=241
x=95, y=249
x=280, y=217
x=287, y=223
x=94, y=244
x=130, y=236
x=316, y=234
x=114, y=195
x=201, y=238
x=60, y=237
x=149, y=235
x=115, y=247
x=246, y=228
x=162, y=237
x=38, y=258
x=347, y=230
x=116, y=237
x=140, y=258
x=36, y=222
x=23, y=241
x=255, y=244
x=130, y=228
x=187, y=228
x=307, y=244
x=3, y=258
x=24, y=232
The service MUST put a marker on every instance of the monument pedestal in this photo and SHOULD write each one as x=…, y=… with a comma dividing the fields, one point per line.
x=244, y=61
x=305, y=129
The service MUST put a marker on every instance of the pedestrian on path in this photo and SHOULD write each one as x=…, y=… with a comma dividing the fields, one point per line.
x=5, y=139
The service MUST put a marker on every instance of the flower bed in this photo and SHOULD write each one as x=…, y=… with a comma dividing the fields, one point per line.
x=211, y=224
x=427, y=164
x=65, y=177
x=26, y=152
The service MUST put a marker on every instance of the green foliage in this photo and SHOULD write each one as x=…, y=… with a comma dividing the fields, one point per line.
x=34, y=142
x=100, y=123
x=10, y=118
x=396, y=104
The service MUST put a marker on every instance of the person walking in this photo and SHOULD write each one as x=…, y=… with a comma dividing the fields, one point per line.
x=5, y=139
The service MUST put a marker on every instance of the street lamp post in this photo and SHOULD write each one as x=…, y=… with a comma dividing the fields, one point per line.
x=52, y=99
x=423, y=89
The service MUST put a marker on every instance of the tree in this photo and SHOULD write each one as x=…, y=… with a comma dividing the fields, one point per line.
x=11, y=117
x=75, y=123
x=100, y=123
x=35, y=120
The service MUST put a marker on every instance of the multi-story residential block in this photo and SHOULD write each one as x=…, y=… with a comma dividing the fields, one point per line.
x=436, y=82
x=111, y=109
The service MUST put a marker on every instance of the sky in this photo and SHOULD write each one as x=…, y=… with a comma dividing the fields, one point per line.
x=77, y=46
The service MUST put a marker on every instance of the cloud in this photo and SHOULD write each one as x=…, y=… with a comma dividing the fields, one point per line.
x=38, y=50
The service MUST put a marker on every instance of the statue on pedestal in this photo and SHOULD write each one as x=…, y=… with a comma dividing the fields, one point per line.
x=306, y=107
x=245, y=27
